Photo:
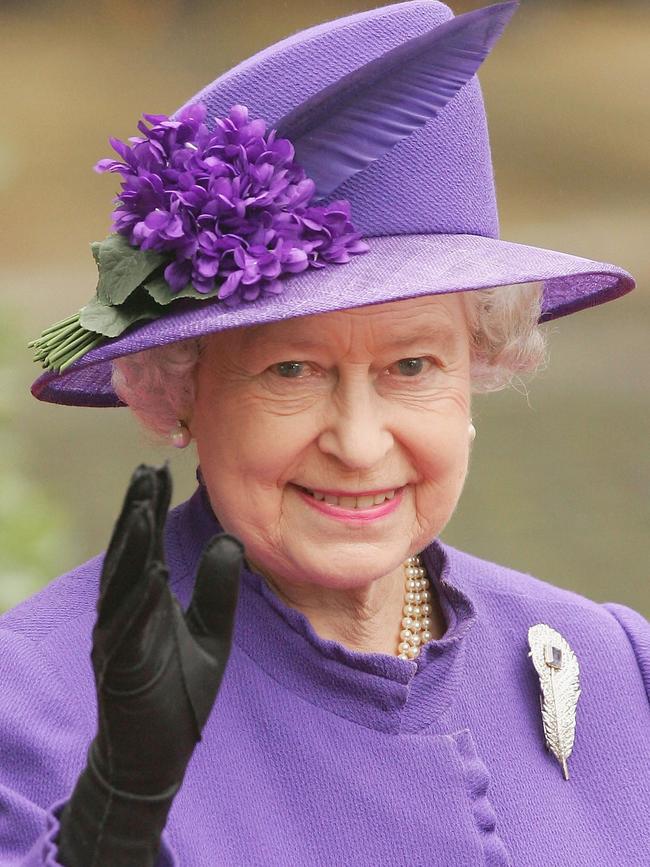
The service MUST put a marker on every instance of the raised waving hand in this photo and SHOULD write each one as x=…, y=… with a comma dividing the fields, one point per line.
x=157, y=672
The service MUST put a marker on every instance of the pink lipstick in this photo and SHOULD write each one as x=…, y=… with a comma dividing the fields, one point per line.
x=357, y=515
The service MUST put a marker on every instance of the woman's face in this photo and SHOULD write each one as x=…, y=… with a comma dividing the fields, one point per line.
x=336, y=445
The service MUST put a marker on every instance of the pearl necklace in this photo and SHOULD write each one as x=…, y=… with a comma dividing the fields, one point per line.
x=416, y=623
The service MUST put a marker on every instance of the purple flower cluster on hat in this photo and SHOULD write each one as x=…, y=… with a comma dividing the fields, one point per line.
x=229, y=206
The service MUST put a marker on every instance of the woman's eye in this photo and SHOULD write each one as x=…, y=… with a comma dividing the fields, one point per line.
x=291, y=369
x=410, y=366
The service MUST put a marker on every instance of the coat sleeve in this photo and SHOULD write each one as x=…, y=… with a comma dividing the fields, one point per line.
x=637, y=630
x=46, y=724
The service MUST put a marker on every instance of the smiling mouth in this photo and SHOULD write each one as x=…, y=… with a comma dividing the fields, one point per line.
x=348, y=501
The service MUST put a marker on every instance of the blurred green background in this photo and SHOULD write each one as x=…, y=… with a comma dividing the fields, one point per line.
x=560, y=478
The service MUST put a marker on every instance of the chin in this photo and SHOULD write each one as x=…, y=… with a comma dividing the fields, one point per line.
x=353, y=567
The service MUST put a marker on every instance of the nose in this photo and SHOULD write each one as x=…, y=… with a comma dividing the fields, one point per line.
x=356, y=430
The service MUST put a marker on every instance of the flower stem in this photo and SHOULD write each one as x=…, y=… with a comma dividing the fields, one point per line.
x=60, y=345
x=68, y=346
x=93, y=343
x=58, y=325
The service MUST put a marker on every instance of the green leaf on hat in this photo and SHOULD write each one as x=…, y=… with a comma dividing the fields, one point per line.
x=122, y=268
x=63, y=343
x=111, y=321
x=160, y=290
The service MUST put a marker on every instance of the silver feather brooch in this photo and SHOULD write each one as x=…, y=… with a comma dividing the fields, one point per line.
x=559, y=674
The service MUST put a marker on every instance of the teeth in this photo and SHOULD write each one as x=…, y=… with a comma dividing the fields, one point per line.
x=352, y=502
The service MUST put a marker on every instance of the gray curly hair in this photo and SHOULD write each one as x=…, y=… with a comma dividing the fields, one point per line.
x=505, y=341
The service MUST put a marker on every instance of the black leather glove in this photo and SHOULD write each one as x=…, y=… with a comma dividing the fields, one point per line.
x=157, y=673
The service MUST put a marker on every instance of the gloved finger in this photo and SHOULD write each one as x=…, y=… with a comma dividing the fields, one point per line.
x=210, y=615
x=162, y=500
x=141, y=489
x=124, y=572
x=136, y=653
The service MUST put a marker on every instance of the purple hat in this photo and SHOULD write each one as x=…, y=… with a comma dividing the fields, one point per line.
x=379, y=133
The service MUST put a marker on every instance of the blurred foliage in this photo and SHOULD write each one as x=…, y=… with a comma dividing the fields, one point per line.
x=35, y=537
x=559, y=481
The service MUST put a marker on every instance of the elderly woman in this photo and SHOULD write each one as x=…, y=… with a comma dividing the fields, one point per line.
x=314, y=304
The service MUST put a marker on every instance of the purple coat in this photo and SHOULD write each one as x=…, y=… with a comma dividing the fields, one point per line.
x=333, y=757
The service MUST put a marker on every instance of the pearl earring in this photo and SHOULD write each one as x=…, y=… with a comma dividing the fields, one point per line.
x=180, y=436
x=472, y=432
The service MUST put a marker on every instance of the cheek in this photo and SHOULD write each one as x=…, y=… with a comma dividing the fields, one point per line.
x=441, y=454
x=248, y=452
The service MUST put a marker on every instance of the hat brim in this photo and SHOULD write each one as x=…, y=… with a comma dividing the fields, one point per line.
x=395, y=268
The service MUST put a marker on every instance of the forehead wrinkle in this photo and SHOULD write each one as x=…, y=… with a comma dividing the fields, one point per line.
x=423, y=325
x=366, y=329
x=302, y=333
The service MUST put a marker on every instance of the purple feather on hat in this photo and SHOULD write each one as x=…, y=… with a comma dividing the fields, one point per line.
x=343, y=128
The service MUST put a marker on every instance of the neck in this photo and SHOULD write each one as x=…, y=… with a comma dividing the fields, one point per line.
x=366, y=619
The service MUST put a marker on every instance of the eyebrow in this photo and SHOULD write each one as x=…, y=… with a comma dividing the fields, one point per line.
x=299, y=343
x=442, y=337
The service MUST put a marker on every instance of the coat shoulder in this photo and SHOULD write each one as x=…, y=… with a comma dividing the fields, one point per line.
x=66, y=599
x=508, y=602
x=481, y=579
